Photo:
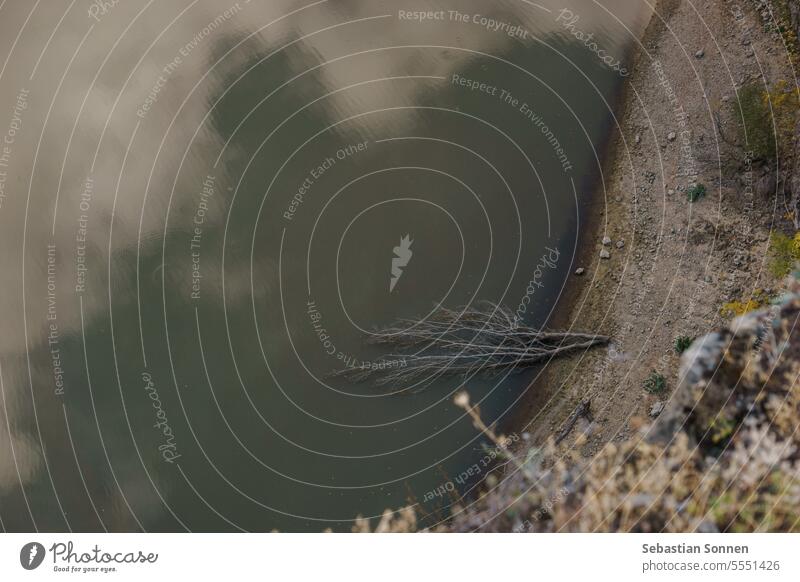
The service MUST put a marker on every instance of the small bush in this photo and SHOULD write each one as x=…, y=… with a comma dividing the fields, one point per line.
x=682, y=343
x=739, y=308
x=655, y=383
x=768, y=118
x=696, y=192
x=721, y=429
x=784, y=253
x=736, y=308
x=756, y=128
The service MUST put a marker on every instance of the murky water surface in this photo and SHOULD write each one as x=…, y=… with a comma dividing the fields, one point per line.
x=200, y=208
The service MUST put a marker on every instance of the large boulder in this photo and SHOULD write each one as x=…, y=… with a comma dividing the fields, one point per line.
x=748, y=371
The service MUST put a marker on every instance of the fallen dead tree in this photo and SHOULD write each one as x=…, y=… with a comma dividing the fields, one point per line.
x=486, y=338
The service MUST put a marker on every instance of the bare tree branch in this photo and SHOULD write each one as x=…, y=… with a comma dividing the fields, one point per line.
x=486, y=338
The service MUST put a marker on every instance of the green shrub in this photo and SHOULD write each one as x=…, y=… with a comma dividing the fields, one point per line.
x=696, y=192
x=655, y=383
x=738, y=307
x=721, y=429
x=682, y=343
x=756, y=129
x=767, y=118
x=784, y=251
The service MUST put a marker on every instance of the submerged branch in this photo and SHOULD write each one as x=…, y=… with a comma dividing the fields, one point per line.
x=483, y=339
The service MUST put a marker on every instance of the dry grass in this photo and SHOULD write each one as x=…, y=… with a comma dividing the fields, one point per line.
x=723, y=457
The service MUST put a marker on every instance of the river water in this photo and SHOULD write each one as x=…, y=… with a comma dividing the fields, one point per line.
x=200, y=206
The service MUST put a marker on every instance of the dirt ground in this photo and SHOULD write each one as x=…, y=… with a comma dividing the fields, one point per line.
x=673, y=263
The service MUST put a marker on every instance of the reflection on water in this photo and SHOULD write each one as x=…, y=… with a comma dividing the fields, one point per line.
x=205, y=211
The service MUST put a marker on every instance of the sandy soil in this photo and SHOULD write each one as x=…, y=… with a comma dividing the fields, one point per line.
x=672, y=263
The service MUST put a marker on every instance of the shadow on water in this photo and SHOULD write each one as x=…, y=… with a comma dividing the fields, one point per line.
x=233, y=421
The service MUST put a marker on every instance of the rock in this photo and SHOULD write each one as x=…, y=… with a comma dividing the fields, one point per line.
x=638, y=139
x=606, y=241
x=620, y=244
x=766, y=185
x=604, y=254
x=745, y=370
x=700, y=54
x=580, y=271
x=656, y=409
x=642, y=500
x=671, y=136
x=730, y=423
x=707, y=526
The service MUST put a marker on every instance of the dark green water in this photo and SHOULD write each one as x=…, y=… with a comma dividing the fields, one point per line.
x=199, y=207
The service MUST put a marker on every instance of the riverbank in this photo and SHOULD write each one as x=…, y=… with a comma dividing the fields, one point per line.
x=693, y=410
x=673, y=265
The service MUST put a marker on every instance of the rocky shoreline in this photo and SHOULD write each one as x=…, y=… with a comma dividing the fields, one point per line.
x=689, y=420
x=655, y=266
